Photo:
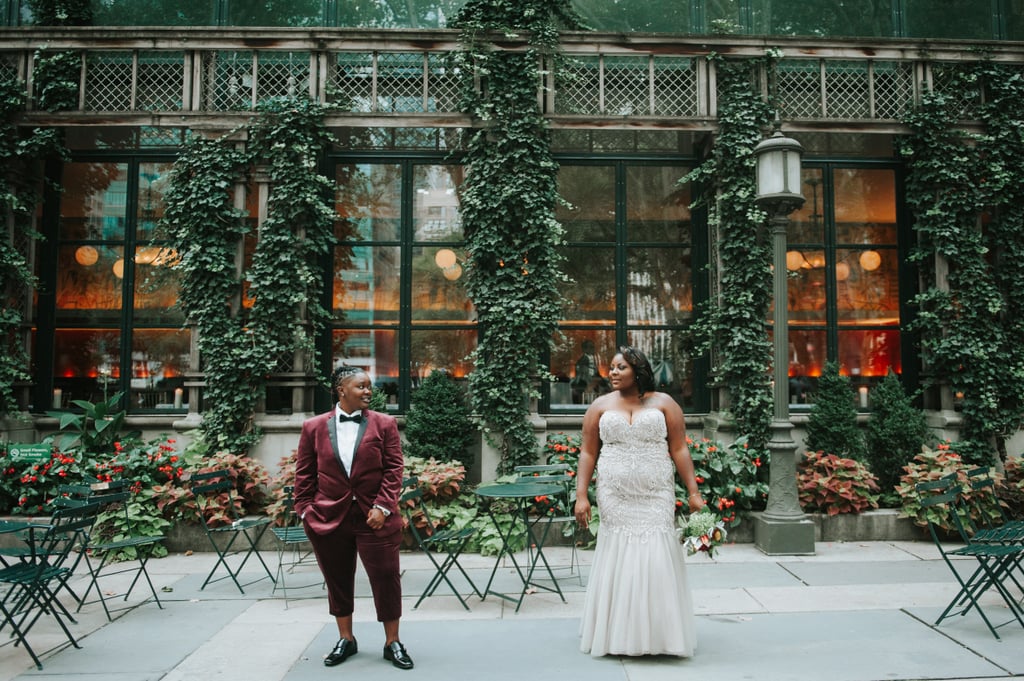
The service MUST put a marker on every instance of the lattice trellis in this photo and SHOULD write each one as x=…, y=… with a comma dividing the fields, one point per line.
x=227, y=81
x=847, y=89
x=282, y=74
x=963, y=103
x=161, y=81
x=626, y=86
x=799, y=89
x=400, y=82
x=108, y=81
x=350, y=83
x=675, y=86
x=578, y=86
x=9, y=65
x=442, y=85
x=893, y=86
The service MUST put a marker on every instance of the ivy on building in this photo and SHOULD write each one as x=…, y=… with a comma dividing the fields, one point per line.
x=731, y=323
x=966, y=190
x=255, y=320
x=507, y=208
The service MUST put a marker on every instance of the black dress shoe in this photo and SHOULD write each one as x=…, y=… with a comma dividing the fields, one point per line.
x=343, y=650
x=396, y=653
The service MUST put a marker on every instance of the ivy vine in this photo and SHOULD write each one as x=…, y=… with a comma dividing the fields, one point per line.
x=507, y=207
x=965, y=190
x=732, y=322
x=241, y=346
x=20, y=150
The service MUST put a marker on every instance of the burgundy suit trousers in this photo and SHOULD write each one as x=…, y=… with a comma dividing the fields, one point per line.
x=336, y=554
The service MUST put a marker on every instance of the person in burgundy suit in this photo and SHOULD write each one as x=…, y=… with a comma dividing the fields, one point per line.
x=348, y=476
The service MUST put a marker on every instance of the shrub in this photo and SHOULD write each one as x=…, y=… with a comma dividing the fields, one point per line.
x=896, y=432
x=1011, y=491
x=835, y=484
x=832, y=422
x=27, y=487
x=727, y=477
x=438, y=425
x=250, y=477
x=978, y=508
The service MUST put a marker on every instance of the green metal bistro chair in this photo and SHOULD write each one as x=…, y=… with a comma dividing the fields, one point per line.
x=32, y=584
x=442, y=546
x=559, y=477
x=117, y=500
x=293, y=548
x=223, y=537
x=994, y=561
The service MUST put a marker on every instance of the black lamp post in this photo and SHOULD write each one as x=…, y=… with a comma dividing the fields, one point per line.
x=782, y=529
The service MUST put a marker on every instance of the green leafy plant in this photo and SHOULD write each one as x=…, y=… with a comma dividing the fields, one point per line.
x=832, y=422
x=731, y=322
x=248, y=496
x=439, y=424
x=56, y=76
x=835, y=484
x=27, y=487
x=896, y=432
x=966, y=190
x=727, y=477
x=96, y=429
x=934, y=464
x=512, y=237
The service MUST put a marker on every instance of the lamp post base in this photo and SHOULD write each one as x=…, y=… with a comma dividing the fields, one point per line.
x=784, y=536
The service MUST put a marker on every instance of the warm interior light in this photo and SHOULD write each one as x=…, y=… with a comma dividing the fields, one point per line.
x=118, y=268
x=165, y=256
x=147, y=256
x=445, y=258
x=452, y=273
x=842, y=271
x=86, y=256
x=794, y=260
x=870, y=260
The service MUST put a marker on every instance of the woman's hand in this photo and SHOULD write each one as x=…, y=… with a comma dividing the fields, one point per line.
x=696, y=502
x=582, y=512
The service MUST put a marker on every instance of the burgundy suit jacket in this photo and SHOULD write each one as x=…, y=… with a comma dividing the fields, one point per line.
x=326, y=494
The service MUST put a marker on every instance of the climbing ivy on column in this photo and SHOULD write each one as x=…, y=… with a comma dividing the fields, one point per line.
x=732, y=323
x=240, y=348
x=507, y=208
x=970, y=319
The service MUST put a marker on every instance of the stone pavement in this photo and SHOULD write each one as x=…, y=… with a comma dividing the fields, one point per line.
x=858, y=611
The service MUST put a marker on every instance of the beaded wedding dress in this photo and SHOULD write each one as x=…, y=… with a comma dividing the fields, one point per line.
x=638, y=601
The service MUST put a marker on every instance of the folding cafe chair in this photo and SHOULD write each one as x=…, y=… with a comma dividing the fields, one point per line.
x=116, y=500
x=32, y=584
x=441, y=546
x=994, y=562
x=225, y=530
x=558, y=476
x=293, y=547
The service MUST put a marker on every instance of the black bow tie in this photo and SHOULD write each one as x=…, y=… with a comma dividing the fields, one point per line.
x=355, y=418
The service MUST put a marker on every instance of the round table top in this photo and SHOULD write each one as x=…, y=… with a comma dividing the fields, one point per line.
x=516, y=490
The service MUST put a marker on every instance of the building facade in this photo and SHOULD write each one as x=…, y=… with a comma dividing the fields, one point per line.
x=631, y=112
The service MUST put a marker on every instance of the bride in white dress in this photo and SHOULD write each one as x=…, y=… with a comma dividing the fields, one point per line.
x=638, y=601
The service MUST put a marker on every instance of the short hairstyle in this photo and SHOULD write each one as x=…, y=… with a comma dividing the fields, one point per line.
x=641, y=368
x=343, y=371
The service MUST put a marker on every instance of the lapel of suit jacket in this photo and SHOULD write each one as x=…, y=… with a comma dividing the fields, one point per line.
x=332, y=432
x=359, y=436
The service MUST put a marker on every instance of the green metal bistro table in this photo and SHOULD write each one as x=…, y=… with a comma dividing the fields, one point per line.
x=522, y=494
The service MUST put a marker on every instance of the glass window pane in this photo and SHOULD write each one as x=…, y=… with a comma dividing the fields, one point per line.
x=435, y=212
x=822, y=18
x=870, y=291
x=294, y=13
x=590, y=293
x=865, y=205
x=806, y=286
x=94, y=201
x=150, y=205
x=438, y=293
x=579, y=363
x=870, y=353
x=367, y=283
x=659, y=285
x=806, y=360
x=89, y=286
x=159, y=362
x=369, y=201
x=806, y=225
x=156, y=285
x=447, y=349
x=673, y=373
x=374, y=350
x=657, y=206
x=590, y=192
x=87, y=364
x=956, y=19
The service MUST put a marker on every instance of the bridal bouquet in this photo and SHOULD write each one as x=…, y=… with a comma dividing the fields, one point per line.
x=702, y=531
